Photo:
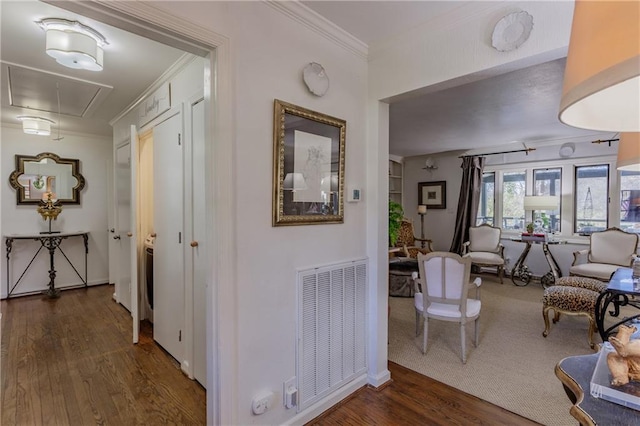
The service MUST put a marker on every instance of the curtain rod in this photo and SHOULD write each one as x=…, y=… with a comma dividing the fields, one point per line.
x=599, y=141
x=526, y=150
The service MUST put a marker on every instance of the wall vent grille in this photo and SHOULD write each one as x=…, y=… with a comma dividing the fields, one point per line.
x=331, y=328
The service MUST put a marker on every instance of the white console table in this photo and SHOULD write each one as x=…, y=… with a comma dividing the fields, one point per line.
x=50, y=242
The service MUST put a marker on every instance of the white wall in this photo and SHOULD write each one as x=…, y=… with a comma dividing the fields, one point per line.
x=269, y=51
x=94, y=154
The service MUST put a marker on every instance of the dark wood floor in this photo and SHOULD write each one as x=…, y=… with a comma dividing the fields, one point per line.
x=413, y=399
x=70, y=361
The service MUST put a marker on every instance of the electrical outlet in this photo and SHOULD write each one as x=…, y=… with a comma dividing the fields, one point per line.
x=290, y=393
x=262, y=402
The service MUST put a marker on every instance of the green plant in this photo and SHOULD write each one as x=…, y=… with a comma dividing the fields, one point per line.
x=395, y=219
x=530, y=227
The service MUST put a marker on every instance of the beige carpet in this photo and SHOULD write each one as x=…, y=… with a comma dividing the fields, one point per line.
x=513, y=365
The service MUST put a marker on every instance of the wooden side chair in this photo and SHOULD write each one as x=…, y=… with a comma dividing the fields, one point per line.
x=442, y=289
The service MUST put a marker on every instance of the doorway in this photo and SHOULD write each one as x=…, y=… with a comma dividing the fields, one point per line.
x=154, y=24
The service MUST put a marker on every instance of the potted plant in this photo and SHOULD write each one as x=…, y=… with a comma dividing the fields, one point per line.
x=395, y=219
x=530, y=227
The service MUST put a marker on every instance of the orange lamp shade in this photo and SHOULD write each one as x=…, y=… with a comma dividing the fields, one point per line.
x=629, y=152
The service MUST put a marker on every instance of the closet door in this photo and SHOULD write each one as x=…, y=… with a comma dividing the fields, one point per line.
x=126, y=161
x=168, y=253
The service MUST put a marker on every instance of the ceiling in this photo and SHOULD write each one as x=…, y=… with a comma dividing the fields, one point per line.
x=32, y=81
x=518, y=106
x=511, y=109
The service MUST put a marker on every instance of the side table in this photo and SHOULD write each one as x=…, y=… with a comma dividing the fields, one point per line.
x=614, y=297
x=575, y=373
x=520, y=274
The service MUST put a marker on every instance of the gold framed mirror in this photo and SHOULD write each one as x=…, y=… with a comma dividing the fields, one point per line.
x=35, y=176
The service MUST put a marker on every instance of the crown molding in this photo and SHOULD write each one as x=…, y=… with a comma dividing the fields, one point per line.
x=316, y=22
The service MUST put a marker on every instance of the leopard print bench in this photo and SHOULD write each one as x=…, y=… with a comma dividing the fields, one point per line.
x=572, y=296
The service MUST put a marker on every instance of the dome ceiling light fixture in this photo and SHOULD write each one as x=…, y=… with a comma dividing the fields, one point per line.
x=35, y=125
x=73, y=44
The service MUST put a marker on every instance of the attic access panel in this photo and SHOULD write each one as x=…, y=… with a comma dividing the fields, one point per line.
x=36, y=90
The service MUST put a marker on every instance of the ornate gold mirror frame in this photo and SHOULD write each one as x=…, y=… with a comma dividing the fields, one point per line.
x=35, y=176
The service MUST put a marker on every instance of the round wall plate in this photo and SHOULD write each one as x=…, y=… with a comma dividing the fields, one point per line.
x=511, y=31
x=316, y=79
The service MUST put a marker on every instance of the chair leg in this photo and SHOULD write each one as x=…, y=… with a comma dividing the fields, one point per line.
x=463, y=341
x=418, y=315
x=545, y=315
x=592, y=329
x=477, y=321
x=425, y=331
x=501, y=273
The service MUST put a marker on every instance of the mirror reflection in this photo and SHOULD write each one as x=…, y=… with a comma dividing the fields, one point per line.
x=35, y=176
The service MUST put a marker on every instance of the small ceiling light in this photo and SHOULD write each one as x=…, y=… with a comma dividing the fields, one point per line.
x=602, y=76
x=74, y=44
x=629, y=152
x=36, y=125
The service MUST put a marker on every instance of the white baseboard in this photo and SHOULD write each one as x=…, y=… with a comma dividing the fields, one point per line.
x=380, y=379
x=329, y=401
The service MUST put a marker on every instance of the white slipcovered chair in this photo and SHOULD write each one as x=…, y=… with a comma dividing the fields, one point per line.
x=441, y=293
x=484, y=248
x=608, y=250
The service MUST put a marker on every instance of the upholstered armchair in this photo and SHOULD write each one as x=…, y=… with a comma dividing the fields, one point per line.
x=407, y=241
x=484, y=248
x=608, y=250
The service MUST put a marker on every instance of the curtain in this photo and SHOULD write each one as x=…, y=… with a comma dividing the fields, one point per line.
x=468, y=202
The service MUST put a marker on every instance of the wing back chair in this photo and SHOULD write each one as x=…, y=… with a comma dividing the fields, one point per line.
x=608, y=250
x=484, y=248
x=407, y=241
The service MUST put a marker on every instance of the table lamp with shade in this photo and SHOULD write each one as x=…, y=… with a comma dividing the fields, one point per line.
x=422, y=211
x=538, y=203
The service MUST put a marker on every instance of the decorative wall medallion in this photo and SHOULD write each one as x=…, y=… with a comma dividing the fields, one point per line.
x=511, y=31
x=316, y=79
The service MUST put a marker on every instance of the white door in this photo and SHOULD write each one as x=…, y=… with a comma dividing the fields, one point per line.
x=125, y=233
x=123, y=213
x=168, y=223
x=199, y=234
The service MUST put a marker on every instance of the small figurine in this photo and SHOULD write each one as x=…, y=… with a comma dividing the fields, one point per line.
x=624, y=364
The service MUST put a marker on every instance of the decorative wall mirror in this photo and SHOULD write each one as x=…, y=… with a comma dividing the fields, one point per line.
x=35, y=176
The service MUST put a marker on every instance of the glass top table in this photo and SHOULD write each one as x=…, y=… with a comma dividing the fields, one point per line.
x=618, y=292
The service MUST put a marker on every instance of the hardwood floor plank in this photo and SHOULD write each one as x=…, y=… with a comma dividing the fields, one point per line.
x=412, y=399
x=71, y=361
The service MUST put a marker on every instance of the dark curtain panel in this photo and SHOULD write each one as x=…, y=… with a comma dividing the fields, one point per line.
x=468, y=202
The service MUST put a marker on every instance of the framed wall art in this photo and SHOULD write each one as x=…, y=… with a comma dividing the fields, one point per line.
x=433, y=194
x=308, y=166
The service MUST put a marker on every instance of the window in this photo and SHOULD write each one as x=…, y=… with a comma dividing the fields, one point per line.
x=513, y=191
x=630, y=201
x=548, y=182
x=591, y=199
x=487, y=199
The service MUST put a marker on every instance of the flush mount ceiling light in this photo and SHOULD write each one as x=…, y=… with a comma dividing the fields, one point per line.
x=35, y=125
x=74, y=44
x=602, y=77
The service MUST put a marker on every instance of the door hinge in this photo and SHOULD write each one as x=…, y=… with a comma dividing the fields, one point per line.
x=179, y=139
x=179, y=237
x=180, y=336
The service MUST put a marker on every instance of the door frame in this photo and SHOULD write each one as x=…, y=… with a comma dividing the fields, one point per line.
x=148, y=21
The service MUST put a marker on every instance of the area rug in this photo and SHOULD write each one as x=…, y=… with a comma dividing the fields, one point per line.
x=513, y=365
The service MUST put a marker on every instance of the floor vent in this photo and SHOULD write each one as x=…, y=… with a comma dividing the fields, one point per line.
x=331, y=328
